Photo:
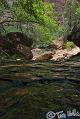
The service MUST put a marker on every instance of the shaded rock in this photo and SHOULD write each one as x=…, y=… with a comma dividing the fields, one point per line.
x=2, y=41
x=12, y=45
x=26, y=51
x=19, y=38
x=74, y=36
x=6, y=45
x=44, y=57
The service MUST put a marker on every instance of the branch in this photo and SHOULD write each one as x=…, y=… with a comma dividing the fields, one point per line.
x=7, y=21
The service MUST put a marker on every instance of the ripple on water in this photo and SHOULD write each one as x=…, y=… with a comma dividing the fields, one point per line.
x=33, y=91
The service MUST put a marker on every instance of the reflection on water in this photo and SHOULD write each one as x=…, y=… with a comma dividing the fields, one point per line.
x=28, y=90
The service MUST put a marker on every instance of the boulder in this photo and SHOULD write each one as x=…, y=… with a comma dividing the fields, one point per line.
x=65, y=54
x=60, y=55
x=44, y=57
x=2, y=41
x=74, y=52
x=19, y=38
x=6, y=45
x=37, y=52
x=25, y=51
x=15, y=45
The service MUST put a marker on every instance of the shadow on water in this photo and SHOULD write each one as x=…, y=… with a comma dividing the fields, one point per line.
x=28, y=90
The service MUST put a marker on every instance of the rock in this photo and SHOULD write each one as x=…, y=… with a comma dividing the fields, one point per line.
x=73, y=52
x=60, y=55
x=19, y=38
x=37, y=52
x=14, y=46
x=44, y=57
x=58, y=43
x=26, y=51
x=65, y=54
x=3, y=41
x=6, y=45
x=74, y=36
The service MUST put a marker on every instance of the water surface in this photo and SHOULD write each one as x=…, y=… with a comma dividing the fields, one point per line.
x=28, y=90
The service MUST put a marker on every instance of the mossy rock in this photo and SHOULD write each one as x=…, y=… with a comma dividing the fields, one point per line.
x=70, y=45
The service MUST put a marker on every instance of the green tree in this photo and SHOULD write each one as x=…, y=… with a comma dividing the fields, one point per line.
x=37, y=19
x=42, y=15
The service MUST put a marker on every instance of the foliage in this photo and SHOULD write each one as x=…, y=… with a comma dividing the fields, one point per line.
x=39, y=17
x=27, y=10
x=43, y=15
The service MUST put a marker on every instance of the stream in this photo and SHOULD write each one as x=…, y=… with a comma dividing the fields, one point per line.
x=29, y=90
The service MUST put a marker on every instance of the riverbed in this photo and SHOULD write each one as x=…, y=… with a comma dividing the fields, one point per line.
x=29, y=89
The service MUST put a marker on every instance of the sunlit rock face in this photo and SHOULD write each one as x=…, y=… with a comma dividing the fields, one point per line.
x=58, y=3
x=59, y=6
x=9, y=2
x=7, y=14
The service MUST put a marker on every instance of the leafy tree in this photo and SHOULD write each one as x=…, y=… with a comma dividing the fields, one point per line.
x=42, y=15
x=36, y=18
